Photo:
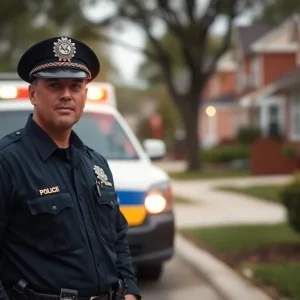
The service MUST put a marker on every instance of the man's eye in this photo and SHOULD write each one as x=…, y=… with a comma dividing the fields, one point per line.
x=77, y=85
x=53, y=85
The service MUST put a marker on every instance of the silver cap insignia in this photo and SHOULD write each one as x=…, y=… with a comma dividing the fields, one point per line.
x=64, y=49
x=101, y=175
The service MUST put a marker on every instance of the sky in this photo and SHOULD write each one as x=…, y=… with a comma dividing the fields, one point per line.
x=128, y=61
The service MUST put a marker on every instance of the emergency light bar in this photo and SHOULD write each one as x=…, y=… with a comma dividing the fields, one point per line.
x=98, y=92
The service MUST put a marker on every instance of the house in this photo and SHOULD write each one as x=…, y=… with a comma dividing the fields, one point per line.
x=263, y=59
x=282, y=95
x=272, y=56
x=220, y=111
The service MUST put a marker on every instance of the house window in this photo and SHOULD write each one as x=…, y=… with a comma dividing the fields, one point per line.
x=274, y=121
x=255, y=71
x=295, y=117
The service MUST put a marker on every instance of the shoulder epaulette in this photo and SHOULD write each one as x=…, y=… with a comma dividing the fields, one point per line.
x=11, y=138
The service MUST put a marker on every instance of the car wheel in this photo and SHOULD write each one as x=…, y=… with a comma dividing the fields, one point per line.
x=149, y=272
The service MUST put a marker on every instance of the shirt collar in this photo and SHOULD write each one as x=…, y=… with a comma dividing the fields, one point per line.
x=44, y=144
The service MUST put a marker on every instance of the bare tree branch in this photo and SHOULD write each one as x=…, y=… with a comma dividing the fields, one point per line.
x=191, y=9
x=209, y=18
x=110, y=40
x=170, y=18
x=226, y=40
x=162, y=56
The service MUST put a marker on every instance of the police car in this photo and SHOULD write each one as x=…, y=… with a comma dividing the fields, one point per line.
x=143, y=190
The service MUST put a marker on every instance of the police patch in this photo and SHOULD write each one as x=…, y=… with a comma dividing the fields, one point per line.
x=101, y=176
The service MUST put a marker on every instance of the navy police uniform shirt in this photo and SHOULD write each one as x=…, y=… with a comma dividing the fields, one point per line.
x=56, y=230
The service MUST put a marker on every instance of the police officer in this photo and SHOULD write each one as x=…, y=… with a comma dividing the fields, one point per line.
x=62, y=235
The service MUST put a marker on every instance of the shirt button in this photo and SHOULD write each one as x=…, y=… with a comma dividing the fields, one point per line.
x=90, y=230
x=18, y=133
x=80, y=198
x=54, y=207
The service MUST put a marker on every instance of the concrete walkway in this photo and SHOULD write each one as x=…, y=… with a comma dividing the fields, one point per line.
x=211, y=207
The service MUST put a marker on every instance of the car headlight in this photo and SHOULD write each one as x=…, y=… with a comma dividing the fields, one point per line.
x=159, y=198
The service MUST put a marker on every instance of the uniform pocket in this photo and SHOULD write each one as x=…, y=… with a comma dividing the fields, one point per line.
x=106, y=209
x=53, y=223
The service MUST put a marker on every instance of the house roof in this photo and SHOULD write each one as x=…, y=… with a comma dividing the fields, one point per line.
x=247, y=35
x=226, y=62
x=290, y=81
x=228, y=98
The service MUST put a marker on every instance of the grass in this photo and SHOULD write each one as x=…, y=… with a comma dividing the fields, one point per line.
x=279, y=276
x=208, y=174
x=266, y=192
x=227, y=239
x=182, y=200
x=275, y=277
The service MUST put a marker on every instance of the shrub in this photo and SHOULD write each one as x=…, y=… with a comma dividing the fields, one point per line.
x=225, y=154
x=246, y=135
x=290, y=197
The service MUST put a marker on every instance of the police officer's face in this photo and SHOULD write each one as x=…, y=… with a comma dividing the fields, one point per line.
x=58, y=102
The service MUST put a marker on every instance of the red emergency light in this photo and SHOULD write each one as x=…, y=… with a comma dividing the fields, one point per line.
x=95, y=94
x=12, y=92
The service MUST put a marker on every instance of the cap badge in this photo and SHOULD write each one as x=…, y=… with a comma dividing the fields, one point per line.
x=64, y=49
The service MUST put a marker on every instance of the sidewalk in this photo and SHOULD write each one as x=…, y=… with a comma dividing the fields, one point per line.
x=212, y=207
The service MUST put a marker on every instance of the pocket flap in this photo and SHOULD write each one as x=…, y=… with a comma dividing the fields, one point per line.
x=108, y=198
x=51, y=204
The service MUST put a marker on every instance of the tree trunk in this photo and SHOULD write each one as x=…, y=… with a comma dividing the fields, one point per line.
x=190, y=114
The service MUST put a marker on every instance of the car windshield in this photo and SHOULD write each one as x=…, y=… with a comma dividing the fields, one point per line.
x=100, y=131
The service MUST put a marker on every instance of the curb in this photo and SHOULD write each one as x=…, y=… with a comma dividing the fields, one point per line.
x=222, y=278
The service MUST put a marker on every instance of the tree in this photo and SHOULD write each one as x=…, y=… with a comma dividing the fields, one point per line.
x=150, y=71
x=24, y=22
x=277, y=11
x=190, y=24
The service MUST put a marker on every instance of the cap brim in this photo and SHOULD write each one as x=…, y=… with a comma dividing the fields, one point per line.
x=62, y=73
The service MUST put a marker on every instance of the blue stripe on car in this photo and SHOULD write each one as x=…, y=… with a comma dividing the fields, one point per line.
x=131, y=197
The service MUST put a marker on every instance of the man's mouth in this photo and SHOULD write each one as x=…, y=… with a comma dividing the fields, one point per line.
x=63, y=108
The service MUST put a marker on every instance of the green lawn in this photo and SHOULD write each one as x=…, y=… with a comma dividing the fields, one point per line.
x=208, y=174
x=283, y=276
x=226, y=239
x=266, y=192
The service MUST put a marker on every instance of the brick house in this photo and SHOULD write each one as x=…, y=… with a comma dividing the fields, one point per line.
x=230, y=81
x=261, y=59
x=219, y=104
x=272, y=56
x=284, y=91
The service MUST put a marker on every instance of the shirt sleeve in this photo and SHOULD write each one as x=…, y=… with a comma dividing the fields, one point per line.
x=124, y=262
x=5, y=203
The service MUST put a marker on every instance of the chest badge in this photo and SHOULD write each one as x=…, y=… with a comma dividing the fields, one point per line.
x=101, y=176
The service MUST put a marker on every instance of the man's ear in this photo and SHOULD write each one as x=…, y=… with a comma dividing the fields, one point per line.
x=31, y=92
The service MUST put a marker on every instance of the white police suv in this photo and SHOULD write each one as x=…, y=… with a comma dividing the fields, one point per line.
x=143, y=190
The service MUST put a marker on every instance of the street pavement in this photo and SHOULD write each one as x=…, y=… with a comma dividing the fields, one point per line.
x=179, y=281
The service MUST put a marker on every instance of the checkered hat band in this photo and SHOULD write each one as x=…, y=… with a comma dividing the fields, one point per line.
x=61, y=64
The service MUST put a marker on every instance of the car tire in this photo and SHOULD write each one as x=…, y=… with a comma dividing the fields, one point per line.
x=149, y=272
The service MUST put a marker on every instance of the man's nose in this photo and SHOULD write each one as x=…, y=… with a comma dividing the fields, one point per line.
x=66, y=94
